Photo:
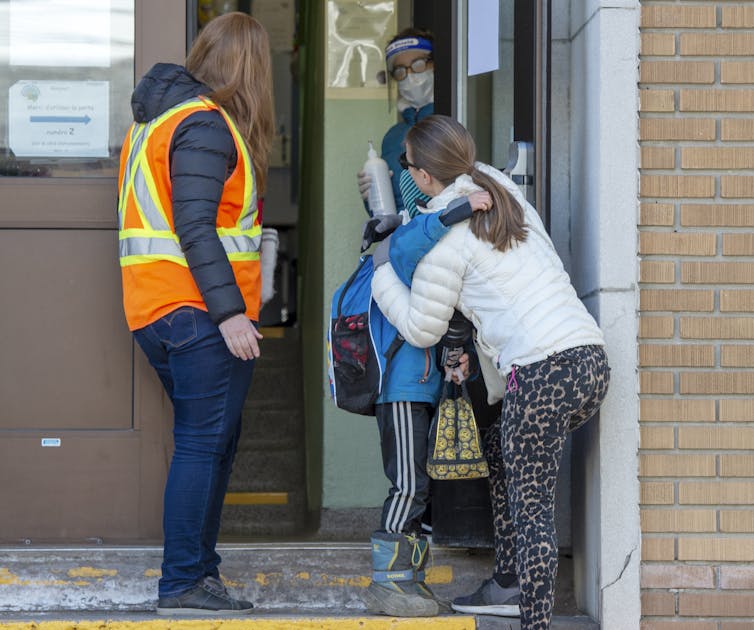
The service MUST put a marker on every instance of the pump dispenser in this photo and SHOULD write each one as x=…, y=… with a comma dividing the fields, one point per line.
x=380, y=199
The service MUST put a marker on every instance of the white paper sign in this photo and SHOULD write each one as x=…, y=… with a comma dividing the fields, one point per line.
x=59, y=118
x=483, y=36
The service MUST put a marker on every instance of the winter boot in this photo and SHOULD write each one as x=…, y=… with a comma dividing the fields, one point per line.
x=392, y=591
x=419, y=555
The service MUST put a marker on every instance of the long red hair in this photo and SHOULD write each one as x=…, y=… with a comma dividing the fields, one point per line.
x=231, y=55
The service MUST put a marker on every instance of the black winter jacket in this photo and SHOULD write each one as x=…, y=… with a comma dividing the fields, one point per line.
x=202, y=156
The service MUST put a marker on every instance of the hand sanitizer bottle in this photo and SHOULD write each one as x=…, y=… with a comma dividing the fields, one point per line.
x=380, y=199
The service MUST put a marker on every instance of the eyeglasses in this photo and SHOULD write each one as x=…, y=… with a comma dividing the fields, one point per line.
x=416, y=66
x=403, y=161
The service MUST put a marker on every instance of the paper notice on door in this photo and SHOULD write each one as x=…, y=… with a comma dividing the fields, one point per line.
x=59, y=118
x=483, y=36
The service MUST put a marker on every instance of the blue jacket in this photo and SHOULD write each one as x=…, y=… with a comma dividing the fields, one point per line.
x=392, y=145
x=410, y=242
x=407, y=246
x=412, y=374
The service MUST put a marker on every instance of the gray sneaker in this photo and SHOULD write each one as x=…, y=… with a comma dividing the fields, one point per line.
x=209, y=598
x=490, y=599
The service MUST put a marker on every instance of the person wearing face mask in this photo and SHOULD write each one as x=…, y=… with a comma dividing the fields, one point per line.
x=412, y=382
x=409, y=61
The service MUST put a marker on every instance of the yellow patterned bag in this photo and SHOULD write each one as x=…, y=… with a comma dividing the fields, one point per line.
x=454, y=448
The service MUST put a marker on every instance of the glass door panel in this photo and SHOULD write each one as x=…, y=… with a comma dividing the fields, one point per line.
x=66, y=76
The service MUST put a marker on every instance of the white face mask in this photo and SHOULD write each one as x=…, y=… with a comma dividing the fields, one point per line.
x=418, y=89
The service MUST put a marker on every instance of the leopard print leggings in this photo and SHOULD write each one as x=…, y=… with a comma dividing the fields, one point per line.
x=544, y=401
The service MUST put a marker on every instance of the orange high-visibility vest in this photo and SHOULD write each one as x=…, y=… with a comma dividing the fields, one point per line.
x=155, y=274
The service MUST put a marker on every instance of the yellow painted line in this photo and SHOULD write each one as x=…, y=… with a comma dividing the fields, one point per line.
x=272, y=332
x=91, y=572
x=256, y=498
x=437, y=574
x=450, y=622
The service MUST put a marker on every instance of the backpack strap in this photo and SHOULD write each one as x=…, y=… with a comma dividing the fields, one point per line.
x=393, y=347
x=349, y=282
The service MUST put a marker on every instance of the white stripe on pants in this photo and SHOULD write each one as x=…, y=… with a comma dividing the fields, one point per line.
x=403, y=434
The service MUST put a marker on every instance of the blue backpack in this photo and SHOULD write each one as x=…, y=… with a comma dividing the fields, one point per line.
x=356, y=366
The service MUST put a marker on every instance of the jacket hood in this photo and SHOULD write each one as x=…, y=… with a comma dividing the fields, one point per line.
x=463, y=185
x=164, y=86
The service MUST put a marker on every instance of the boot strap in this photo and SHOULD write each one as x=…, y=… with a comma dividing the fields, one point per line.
x=419, y=576
x=393, y=576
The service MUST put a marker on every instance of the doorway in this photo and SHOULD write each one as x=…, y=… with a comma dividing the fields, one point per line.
x=518, y=126
x=267, y=497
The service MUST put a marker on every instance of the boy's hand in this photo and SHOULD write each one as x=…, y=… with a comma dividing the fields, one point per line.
x=463, y=208
x=378, y=228
x=480, y=200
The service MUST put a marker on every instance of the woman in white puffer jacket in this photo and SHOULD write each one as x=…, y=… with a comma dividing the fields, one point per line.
x=500, y=269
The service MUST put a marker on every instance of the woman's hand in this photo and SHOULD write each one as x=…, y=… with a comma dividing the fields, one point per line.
x=241, y=337
x=480, y=200
x=460, y=372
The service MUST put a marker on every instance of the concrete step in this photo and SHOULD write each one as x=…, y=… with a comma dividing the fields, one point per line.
x=293, y=585
x=270, y=425
x=279, y=465
x=271, y=453
x=275, y=576
x=266, y=522
x=289, y=620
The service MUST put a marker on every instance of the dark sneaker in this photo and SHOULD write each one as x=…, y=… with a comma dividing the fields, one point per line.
x=490, y=599
x=209, y=598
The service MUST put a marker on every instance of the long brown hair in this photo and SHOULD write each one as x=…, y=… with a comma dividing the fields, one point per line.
x=445, y=149
x=231, y=55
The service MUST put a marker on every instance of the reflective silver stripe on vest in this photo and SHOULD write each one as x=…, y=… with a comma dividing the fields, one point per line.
x=136, y=139
x=152, y=214
x=140, y=246
x=143, y=246
x=241, y=244
x=246, y=220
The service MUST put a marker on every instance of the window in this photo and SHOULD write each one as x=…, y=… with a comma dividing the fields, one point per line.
x=66, y=77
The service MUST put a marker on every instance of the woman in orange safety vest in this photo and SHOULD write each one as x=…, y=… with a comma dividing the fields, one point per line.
x=192, y=166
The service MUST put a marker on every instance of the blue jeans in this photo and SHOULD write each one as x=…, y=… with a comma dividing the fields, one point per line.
x=207, y=386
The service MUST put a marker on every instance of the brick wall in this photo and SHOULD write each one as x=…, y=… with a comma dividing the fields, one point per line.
x=696, y=346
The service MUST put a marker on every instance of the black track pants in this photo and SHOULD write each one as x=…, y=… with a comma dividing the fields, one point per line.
x=404, y=427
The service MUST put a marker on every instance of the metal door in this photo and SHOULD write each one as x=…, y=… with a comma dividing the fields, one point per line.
x=84, y=426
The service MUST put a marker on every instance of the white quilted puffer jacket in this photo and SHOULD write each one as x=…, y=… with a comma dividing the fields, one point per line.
x=521, y=302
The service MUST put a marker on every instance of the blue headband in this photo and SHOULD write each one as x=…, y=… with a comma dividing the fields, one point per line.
x=407, y=43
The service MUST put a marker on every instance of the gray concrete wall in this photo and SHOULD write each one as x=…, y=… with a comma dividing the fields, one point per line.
x=604, y=189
